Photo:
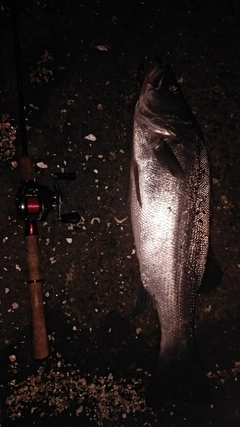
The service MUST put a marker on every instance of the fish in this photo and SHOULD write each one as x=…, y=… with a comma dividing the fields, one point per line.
x=170, y=203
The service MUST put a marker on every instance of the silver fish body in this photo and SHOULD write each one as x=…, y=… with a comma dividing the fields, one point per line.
x=170, y=213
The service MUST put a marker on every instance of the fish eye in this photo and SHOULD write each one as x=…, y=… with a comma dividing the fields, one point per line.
x=172, y=88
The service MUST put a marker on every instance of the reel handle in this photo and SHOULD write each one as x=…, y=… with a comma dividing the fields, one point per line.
x=71, y=217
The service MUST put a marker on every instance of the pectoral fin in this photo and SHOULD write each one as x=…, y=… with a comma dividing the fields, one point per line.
x=136, y=181
x=167, y=158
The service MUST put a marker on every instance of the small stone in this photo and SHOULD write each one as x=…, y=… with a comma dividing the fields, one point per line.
x=79, y=410
x=15, y=305
x=90, y=137
x=42, y=165
x=102, y=48
x=208, y=308
x=95, y=219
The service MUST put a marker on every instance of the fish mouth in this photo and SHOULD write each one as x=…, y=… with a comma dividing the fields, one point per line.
x=158, y=71
x=161, y=108
x=156, y=74
x=150, y=103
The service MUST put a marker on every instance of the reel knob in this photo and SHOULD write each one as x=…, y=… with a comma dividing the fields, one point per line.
x=71, y=217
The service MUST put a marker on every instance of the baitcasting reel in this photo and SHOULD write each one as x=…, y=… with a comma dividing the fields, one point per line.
x=34, y=201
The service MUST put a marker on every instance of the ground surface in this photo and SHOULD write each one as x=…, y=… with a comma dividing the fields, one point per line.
x=83, y=64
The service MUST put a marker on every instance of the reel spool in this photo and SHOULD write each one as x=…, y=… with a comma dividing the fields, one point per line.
x=34, y=201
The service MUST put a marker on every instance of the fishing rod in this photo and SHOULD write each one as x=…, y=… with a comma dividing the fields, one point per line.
x=33, y=203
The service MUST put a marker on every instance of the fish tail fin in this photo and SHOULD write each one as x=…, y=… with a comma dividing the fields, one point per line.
x=172, y=379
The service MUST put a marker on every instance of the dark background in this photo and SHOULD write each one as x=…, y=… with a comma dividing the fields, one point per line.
x=72, y=88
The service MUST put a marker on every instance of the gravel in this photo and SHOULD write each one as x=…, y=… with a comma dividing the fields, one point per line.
x=99, y=398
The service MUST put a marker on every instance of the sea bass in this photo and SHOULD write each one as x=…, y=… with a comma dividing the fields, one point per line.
x=170, y=213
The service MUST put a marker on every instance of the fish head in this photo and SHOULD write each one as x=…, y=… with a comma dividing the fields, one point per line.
x=161, y=107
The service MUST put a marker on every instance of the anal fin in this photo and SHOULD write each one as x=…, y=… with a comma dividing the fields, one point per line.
x=212, y=277
x=142, y=301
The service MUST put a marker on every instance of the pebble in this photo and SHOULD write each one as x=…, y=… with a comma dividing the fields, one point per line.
x=101, y=397
x=15, y=305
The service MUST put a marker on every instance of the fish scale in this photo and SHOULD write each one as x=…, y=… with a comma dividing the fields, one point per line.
x=170, y=212
x=167, y=211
